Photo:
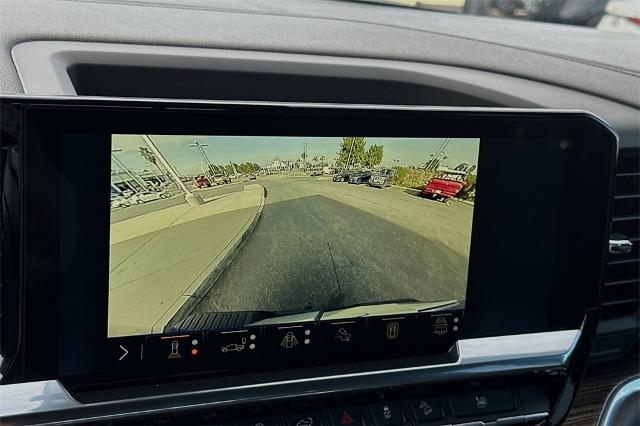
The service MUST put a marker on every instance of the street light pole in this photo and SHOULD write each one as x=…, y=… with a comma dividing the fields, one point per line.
x=191, y=198
x=125, y=169
x=304, y=156
x=350, y=149
x=205, y=160
x=434, y=161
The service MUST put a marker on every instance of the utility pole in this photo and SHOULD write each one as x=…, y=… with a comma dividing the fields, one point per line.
x=118, y=190
x=191, y=198
x=205, y=160
x=350, y=149
x=126, y=170
x=304, y=156
x=434, y=161
x=153, y=173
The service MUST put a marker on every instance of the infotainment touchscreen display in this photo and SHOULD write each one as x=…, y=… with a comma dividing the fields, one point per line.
x=211, y=230
x=162, y=238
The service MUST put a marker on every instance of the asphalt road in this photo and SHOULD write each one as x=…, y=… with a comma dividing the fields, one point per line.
x=322, y=245
x=121, y=214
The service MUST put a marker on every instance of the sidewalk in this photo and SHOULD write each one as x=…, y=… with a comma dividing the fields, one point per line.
x=163, y=262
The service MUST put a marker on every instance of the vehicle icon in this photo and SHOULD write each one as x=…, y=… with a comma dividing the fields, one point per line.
x=233, y=347
x=308, y=421
x=343, y=335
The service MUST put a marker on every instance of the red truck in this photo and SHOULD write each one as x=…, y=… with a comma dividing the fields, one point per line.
x=444, y=186
x=202, y=182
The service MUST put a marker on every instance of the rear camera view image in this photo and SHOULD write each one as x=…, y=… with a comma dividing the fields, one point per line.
x=212, y=231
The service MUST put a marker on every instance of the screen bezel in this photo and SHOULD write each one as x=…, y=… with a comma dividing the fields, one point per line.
x=576, y=280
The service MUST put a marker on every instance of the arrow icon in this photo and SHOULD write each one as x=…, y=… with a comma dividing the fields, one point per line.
x=124, y=354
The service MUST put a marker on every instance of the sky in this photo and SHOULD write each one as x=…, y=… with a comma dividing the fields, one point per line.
x=264, y=149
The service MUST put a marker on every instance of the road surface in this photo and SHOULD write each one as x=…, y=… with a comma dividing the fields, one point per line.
x=323, y=245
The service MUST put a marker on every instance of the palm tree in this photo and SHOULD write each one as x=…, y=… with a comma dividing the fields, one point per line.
x=150, y=157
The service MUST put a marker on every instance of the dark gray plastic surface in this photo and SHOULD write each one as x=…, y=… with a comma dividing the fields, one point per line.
x=182, y=72
x=603, y=64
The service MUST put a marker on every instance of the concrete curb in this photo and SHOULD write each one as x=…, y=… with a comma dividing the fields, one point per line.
x=203, y=288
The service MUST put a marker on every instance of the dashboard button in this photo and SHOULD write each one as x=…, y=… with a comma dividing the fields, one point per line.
x=350, y=415
x=305, y=418
x=426, y=409
x=343, y=333
x=234, y=344
x=126, y=351
x=482, y=401
x=393, y=330
x=441, y=324
x=387, y=413
x=290, y=339
x=259, y=421
x=174, y=348
x=258, y=416
x=217, y=417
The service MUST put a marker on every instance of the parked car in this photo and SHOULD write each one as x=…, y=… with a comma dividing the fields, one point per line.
x=202, y=182
x=253, y=177
x=360, y=177
x=119, y=201
x=144, y=197
x=316, y=173
x=445, y=186
x=341, y=177
x=381, y=178
x=222, y=179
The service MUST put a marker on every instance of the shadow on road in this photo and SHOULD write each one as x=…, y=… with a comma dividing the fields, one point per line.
x=411, y=191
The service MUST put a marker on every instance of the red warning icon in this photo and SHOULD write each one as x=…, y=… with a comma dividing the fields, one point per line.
x=346, y=418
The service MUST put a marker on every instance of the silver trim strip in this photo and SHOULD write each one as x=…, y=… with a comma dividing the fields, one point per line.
x=621, y=406
x=536, y=417
x=47, y=402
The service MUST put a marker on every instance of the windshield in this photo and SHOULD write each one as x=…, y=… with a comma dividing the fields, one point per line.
x=603, y=15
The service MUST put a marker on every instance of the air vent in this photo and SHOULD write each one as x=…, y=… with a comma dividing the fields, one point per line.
x=622, y=278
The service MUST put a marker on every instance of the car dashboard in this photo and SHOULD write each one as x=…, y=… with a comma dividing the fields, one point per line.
x=336, y=52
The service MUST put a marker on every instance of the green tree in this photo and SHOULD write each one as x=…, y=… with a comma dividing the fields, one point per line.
x=468, y=191
x=374, y=155
x=352, y=151
x=400, y=175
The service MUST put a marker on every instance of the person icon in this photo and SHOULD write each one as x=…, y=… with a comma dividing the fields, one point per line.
x=289, y=341
x=174, y=350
